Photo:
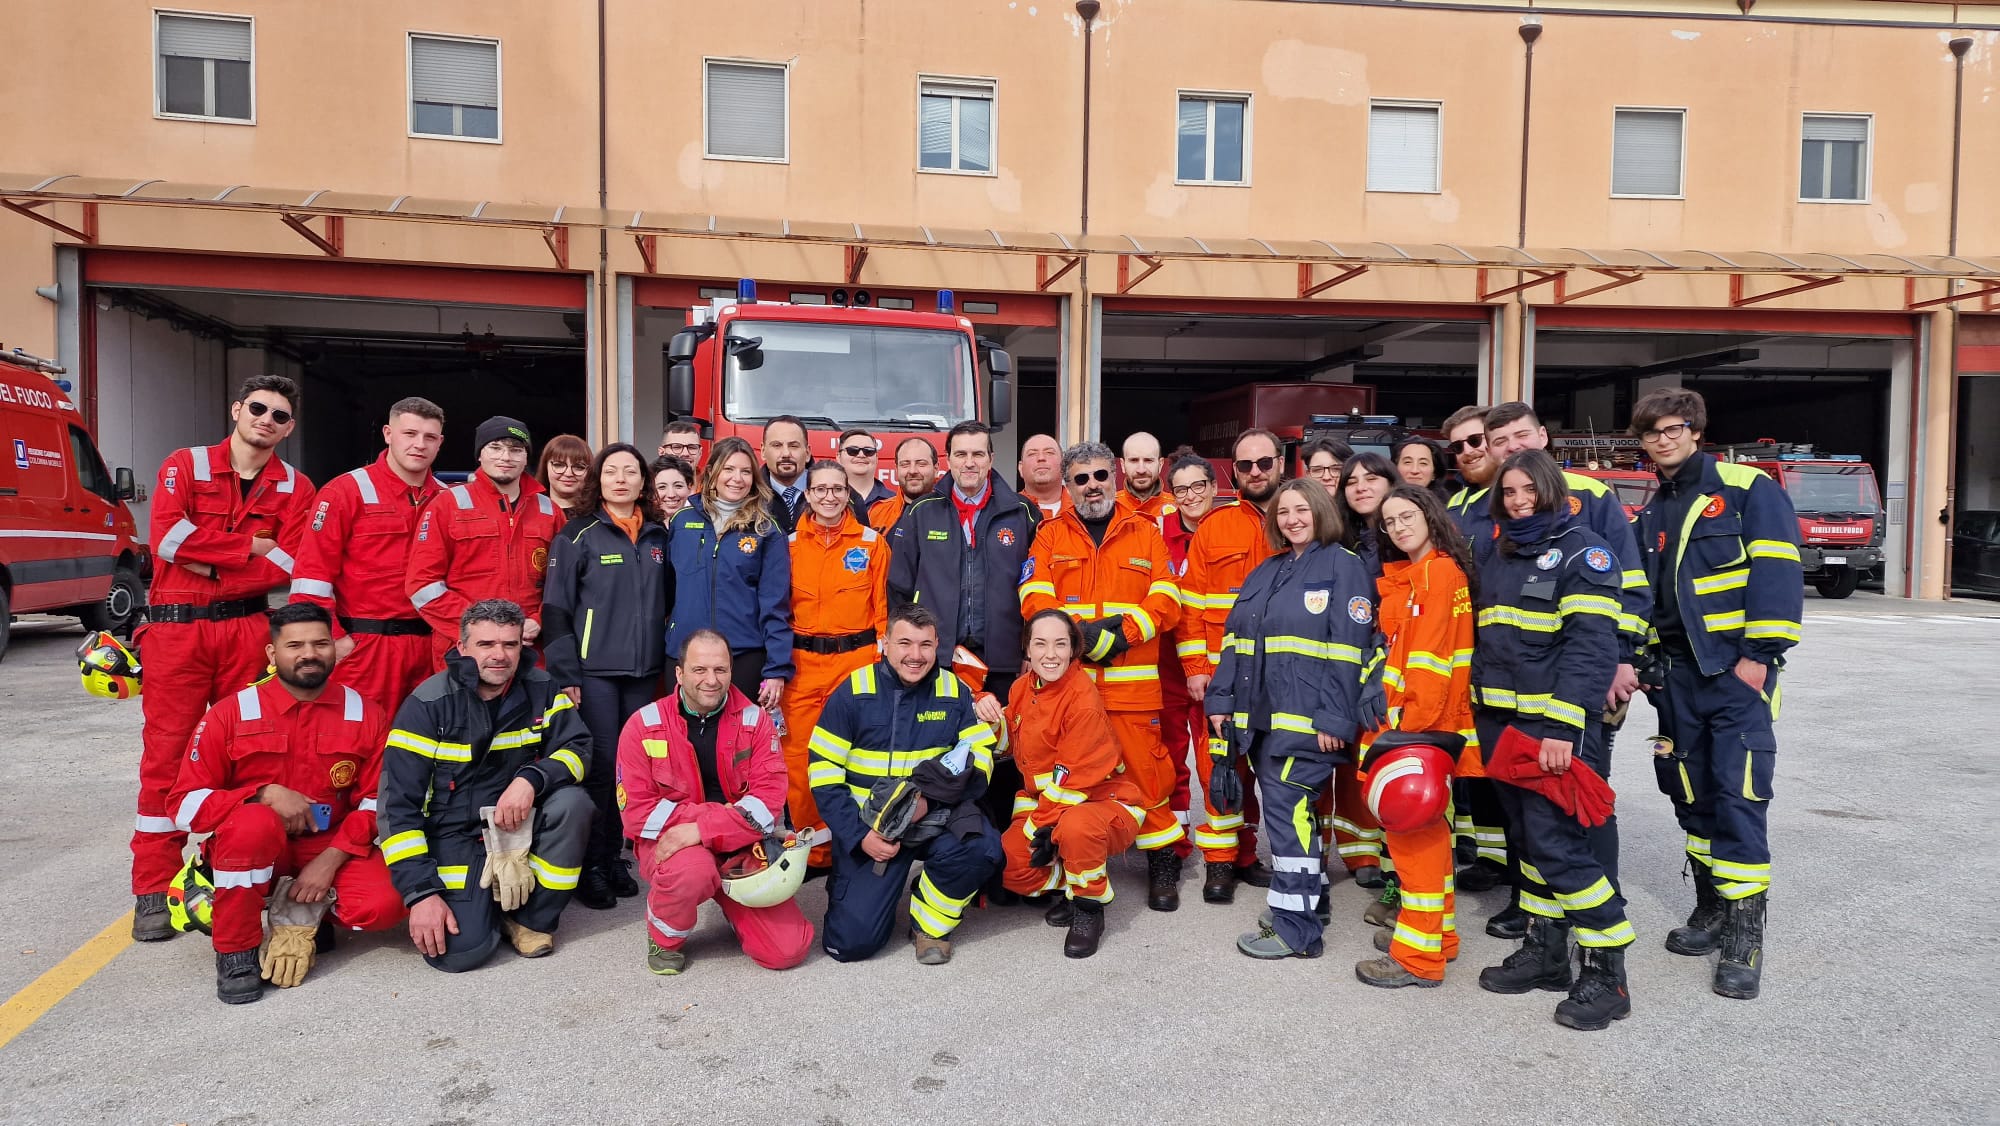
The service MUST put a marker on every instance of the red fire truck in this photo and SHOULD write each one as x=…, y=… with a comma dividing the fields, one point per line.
x=1841, y=522
x=892, y=372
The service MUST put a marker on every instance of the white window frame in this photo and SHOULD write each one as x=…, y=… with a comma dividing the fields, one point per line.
x=1867, y=182
x=1681, y=167
x=1249, y=126
x=729, y=60
x=993, y=128
x=1437, y=154
x=410, y=87
x=160, y=68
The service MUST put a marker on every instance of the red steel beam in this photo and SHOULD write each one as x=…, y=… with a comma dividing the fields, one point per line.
x=1308, y=287
x=1619, y=280
x=1540, y=277
x=649, y=251
x=1044, y=279
x=1127, y=279
x=86, y=235
x=1911, y=303
x=857, y=257
x=333, y=243
x=557, y=239
x=1738, y=298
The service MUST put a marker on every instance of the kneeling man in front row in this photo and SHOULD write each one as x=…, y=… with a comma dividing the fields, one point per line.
x=701, y=782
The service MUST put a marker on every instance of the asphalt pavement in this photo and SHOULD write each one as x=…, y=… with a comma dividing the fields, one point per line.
x=1879, y=997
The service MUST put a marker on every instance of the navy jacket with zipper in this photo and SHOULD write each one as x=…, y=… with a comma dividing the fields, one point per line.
x=1547, y=641
x=605, y=599
x=736, y=583
x=928, y=565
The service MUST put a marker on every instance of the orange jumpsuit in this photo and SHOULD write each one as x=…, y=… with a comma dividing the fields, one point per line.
x=839, y=608
x=1227, y=546
x=883, y=514
x=1073, y=778
x=1126, y=575
x=1426, y=611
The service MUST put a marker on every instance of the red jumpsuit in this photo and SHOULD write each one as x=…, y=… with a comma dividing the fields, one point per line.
x=1073, y=781
x=1182, y=726
x=352, y=562
x=660, y=787
x=839, y=605
x=1126, y=576
x=1225, y=548
x=1426, y=611
x=473, y=544
x=327, y=749
x=205, y=636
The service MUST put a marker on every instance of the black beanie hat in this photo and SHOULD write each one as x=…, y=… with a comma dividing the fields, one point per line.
x=498, y=427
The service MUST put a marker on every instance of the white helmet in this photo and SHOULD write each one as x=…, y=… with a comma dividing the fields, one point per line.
x=756, y=878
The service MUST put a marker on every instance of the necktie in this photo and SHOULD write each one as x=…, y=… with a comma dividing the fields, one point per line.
x=792, y=502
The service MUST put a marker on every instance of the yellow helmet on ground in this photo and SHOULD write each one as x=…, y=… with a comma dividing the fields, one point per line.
x=110, y=670
x=769, y=872
x=191, y=896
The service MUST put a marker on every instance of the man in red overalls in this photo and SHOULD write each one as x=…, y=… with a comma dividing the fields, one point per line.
x=225, y=522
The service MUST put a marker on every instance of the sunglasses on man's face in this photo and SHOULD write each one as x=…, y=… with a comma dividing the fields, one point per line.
x=1261, y=465
x=256, y=409
x=1469, y=442
x=858, y=451
x=1081, y=479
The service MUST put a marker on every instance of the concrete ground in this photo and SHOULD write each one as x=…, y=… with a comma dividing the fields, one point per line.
x=1878, y=1006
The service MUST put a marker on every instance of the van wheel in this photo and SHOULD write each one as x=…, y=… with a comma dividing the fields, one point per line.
x=1839, y=583
x=118, y=613
x=6, y=621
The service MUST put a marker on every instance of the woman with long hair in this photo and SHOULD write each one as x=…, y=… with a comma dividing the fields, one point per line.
x=564, y=470
x=1364, y=481
x=604, y=602
x=1548, y=612
x=1299, y=683
x=1426, y=613
x=673, y=481
x=733, y=569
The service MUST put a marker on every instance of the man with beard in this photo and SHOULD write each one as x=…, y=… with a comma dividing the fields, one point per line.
x=1041, y=474
x=1465, y=438
x=1105, y=564
x=283, y=773
x=1142, y=476
x=491, y=732
x=916, y=476
x=1226, y=547
x=487, y=538
x=785, y=457
x=226, y=522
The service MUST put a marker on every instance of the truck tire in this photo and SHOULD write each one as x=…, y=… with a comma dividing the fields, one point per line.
x=1839, y=582
x=6, y=621
x=118, y=613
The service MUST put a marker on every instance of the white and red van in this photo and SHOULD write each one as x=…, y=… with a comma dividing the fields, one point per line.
x=68, y=544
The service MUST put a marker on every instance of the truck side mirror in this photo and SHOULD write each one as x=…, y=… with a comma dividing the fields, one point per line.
x=747, y=351
x=125, y=485
x=1000, y=409
x=680, y=387
x=682, y=346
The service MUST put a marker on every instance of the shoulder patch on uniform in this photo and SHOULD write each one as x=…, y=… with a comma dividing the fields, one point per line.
x=1597, y=559
x=1714, y=509
x=751, y=715
x=855, y=561
x=319, y=515
x=1360, y=610
x=1548, y=560
x=1027, y=568
x=1575, y=505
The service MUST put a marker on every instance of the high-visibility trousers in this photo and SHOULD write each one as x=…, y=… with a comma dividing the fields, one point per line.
x=777, y=937
x=1087, y=836
x=805, y=697
x=1148, y=764
x=1185, y=732
x=1426, y=934
x=189, y=666
x=250, y=850
x=1357, y=836
x=1719, y=772
x=562, y=833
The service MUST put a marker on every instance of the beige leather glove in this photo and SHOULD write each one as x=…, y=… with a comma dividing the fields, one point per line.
x=507, y=872
x=289, y=949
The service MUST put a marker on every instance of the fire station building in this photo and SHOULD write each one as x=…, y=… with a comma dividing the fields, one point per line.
x=1790, y=205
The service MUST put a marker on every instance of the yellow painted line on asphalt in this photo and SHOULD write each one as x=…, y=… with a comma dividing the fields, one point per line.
x=60, y=980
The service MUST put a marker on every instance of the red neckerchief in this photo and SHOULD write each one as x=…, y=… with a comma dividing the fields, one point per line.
x=968, y=510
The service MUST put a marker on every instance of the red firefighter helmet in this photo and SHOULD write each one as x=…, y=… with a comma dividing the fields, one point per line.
x=1409, y=786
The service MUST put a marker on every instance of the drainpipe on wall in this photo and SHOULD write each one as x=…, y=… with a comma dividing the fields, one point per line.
x=1521, y=347
x=1081, y=319
x=607, y=363
x=1960, y=46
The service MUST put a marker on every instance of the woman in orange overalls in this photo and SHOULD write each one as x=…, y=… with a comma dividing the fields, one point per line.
x=1426, y=611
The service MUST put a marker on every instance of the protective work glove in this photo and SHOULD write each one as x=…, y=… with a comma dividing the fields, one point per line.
x=1372, y=705
x=289, y=950
x=1042, y=852
x=1104, y=639
x=1224, y=786
x=507, y=871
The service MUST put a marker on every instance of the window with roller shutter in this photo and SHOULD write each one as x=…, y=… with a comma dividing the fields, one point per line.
x=1212, y=139
x=204, y=67
x=1403, y=146
x=955, y=125
x=1833, y=157
x=454, y=87
x=1648, y=149
x=745, y=115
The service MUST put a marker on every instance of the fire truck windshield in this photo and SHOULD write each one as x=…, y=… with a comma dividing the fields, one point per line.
x=857, y=375
x=1826, y=489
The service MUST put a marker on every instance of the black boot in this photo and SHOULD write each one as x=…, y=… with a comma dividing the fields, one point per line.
x=1060, y=912
x=238, y=981
x=1542, y=962
x=594, y=890
x=622, y=884
x=150, y=921
x=1220, y=887
x=1599, y=995
x=1704, y=925
x=1086, y=927
x=323, y=939
x=1511, y=922
x=1477, y=877
x=1163, y=889
x=1370, y=877
x=1740, y=972
x=1254, y=874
